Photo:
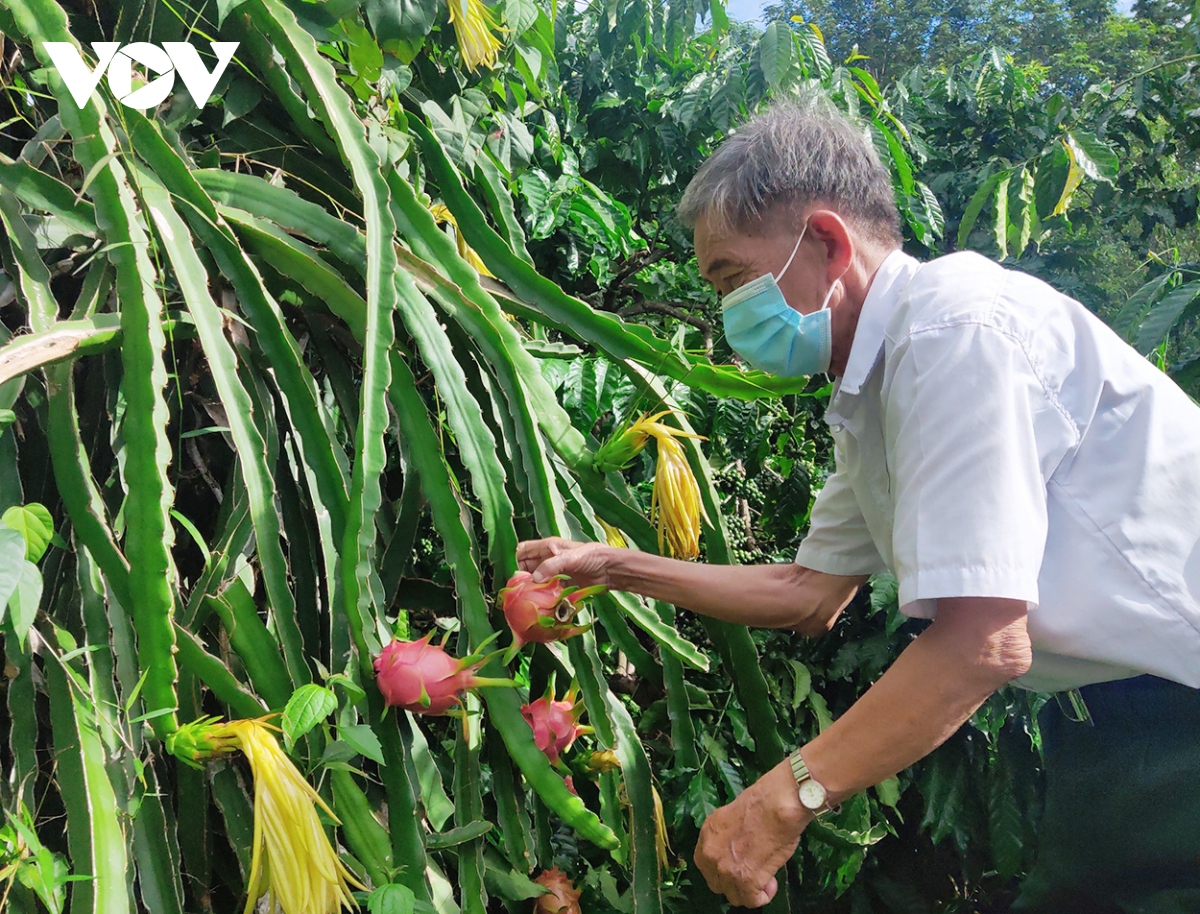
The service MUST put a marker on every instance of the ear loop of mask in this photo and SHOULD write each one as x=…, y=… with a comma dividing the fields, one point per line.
x=825, y=303
x=779, y=275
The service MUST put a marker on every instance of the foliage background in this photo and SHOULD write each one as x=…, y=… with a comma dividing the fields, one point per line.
x=1058, y=137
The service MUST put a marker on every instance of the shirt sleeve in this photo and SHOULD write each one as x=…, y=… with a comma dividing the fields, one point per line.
x=963, y=413
x=838, y=541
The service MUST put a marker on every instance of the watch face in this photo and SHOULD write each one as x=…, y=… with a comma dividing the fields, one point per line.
x=812, y=794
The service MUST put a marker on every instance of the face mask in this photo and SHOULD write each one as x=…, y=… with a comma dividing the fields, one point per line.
x=771, y=336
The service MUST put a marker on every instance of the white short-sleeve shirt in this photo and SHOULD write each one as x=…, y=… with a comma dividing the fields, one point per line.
x=993, y=438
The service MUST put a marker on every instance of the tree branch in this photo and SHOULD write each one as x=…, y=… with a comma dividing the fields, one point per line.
x=635, y=263
x=662, y=307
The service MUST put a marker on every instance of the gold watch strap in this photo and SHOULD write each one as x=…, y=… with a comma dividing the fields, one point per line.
x=801, y=773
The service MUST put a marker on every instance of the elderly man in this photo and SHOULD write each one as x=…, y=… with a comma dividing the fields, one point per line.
x=1032, y=482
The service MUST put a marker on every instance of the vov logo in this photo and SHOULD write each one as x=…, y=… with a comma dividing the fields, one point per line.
x=173, y=57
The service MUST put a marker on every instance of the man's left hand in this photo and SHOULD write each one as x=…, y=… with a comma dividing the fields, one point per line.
x=743, y=845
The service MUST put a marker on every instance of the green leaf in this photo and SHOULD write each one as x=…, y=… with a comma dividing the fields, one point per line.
x=392, y=899
x=12, y=555
x=438, y=807
x=1129, y=318
x=820, y=708
x=899, y=156
x=502, y=880
x=401, y=20
x=364, y=741
x=1006, y=825
x=888, y=791
x=776, y=54
x=975, y=206
x=1000, y=226
x=700, y=799
x=926, y=214
x=803, y=679
x=35, y=524
x=225, y=7
x=240, y=99
x=7, y=418
x=1164, y=315
x=353, y=691
x=309, y=705
x=365, y=56
x=1094, y=156
x=24, y=600
x=519, y=15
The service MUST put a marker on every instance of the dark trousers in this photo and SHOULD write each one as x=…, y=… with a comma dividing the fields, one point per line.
x=1121, y=829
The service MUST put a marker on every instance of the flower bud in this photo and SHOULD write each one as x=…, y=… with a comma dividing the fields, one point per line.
x=563, y=897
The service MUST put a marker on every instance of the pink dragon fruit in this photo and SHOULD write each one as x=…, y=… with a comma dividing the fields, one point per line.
x=555, y=723
x=421, y=677
x=540, y=613
x=563, y=897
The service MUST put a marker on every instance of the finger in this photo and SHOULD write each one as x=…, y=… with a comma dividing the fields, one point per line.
x=748, y=898
x=705, y=865
x=763, y=896
x=531, y=553
x=550, y=567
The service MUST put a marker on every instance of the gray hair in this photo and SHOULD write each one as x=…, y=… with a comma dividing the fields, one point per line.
x=794, y=154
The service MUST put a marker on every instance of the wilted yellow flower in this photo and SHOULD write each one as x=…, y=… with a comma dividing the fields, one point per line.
x=473, y=24
x=613, y=536
x=662, y=843
x=441, y=213
x=292, y=861
x=675, y=504
x=603, y=760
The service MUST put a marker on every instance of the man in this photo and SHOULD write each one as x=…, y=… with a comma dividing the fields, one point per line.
x=1032, y=482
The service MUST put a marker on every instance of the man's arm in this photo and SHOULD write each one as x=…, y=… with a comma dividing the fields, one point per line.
x=763, y=596
x=973, y=647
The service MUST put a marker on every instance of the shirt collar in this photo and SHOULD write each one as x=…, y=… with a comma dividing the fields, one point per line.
x=890, y=280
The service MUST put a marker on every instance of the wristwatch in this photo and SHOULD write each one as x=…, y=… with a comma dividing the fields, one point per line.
x=813, y=796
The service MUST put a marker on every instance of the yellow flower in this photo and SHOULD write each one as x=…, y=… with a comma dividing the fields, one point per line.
x=603, y=760
x=662, y=843
x=292, y=861
x=473, y=26
x=441, y=213
x=675, y=503
x=613, y=536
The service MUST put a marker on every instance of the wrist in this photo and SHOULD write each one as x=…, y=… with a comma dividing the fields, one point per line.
x=622, y=568
x=785, y=799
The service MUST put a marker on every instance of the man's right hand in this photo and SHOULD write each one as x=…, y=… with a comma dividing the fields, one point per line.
x=586, y=564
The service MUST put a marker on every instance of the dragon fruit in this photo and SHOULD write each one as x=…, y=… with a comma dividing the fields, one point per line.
x=555, y=723
x=540, y=613
x=421, y=677
x=563, y=897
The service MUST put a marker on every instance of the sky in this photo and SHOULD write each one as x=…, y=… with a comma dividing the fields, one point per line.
x=745, y=10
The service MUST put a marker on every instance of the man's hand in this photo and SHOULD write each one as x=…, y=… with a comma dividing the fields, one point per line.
x=743, y=845
x=586, y=564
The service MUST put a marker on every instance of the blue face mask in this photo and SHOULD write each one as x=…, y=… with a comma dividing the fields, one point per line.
x=770, y=335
